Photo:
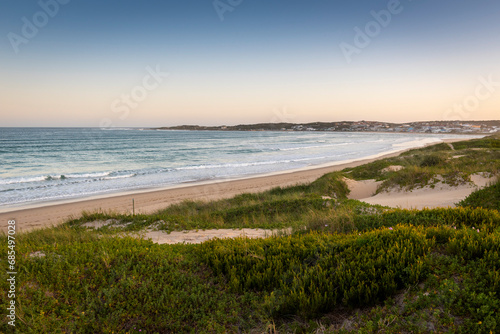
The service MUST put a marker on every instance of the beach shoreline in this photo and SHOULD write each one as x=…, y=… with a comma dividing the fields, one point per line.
x=148, y=201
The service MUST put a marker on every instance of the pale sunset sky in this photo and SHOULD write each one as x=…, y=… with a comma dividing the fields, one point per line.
x=162, y=62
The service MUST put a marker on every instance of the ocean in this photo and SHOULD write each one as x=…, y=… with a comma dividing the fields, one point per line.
x=50, y=164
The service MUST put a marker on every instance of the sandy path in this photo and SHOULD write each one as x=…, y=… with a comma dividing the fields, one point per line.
x=197, y=237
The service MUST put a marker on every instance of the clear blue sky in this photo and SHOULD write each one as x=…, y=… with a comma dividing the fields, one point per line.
x=89, y=63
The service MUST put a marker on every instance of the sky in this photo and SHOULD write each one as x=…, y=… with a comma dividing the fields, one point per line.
x=124, y=63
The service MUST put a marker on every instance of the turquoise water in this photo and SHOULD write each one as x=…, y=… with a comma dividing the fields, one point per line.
x=46, y=164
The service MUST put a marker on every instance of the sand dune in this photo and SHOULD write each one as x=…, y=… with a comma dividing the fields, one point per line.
x=361, y=189
x=440, y=196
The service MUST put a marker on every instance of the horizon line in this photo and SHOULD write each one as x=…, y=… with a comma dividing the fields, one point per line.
x=245, y=124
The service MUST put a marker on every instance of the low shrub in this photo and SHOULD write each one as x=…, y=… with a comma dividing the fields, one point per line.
x=120, y=285
x=291, y=207
x=431, y=160
x=372, y=170
x=490, y=142
x=488, y=198
x=479, y=218
x=330, y=184
x=311, y=274
x=478, y=299
x=407, y=179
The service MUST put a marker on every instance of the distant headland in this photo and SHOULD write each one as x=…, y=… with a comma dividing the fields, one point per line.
x=464, y=127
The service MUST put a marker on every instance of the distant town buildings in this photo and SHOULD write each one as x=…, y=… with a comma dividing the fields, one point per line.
x=465, y=127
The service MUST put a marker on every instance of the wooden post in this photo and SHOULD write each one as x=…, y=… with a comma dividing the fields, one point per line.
x=133, y=207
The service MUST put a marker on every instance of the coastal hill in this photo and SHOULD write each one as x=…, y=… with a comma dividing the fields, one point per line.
x=479, y=127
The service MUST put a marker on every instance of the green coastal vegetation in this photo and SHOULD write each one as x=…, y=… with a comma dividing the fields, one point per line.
x=338, y=266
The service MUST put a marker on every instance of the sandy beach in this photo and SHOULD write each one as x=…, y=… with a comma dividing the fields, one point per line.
x=51, y=214
x=151, y=201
